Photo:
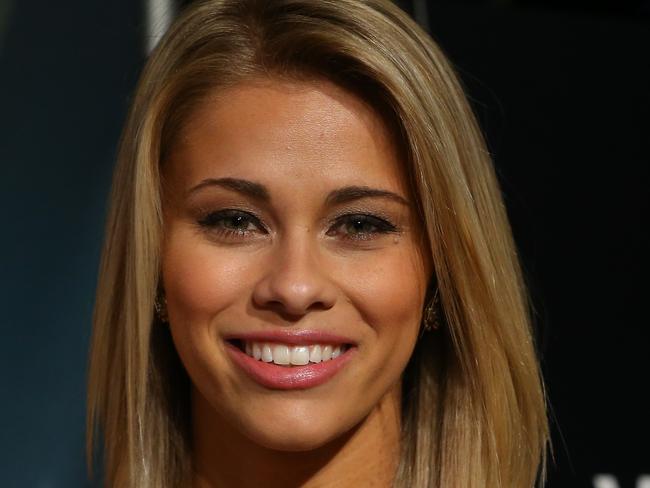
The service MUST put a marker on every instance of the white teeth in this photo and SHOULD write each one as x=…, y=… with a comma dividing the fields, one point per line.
x=267, y=355
x=281, y=354
x=286, y=355
x=300, y=355
x=257, y=351
x=315, y=354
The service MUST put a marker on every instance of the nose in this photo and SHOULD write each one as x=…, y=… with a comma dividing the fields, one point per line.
x=296, y=281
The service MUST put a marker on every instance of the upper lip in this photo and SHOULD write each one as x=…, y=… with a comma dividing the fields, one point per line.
x=291, y=337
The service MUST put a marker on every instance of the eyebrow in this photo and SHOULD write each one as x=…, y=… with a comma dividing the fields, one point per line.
x=245, y=187
x=335, y=197
x=351, y=193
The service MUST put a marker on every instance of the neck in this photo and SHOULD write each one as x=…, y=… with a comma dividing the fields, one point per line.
x=366, y=456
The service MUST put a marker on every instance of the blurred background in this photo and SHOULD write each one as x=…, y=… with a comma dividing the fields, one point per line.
x=562, y=90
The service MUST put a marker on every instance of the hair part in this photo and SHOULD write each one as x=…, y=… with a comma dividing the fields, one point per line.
x=473, y=402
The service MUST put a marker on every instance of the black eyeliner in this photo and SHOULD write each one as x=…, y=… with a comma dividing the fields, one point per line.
x=211, y=218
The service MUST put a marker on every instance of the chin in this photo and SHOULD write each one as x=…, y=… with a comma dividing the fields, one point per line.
x=298, y=432
x=296, y=441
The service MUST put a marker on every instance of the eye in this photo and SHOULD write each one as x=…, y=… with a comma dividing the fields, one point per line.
x=360, y=227
x=229, y=222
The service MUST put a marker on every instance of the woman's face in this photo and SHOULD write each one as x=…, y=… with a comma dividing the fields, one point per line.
x=290, y=237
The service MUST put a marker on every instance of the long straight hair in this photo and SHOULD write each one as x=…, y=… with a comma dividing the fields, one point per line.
x=474, y=412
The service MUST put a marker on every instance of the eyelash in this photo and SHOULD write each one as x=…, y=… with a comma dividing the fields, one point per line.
x=214, y=221
x=380, y=224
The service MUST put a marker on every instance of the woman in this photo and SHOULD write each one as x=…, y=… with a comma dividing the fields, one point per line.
x=308, y=277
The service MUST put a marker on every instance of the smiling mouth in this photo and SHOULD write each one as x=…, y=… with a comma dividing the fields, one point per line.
x=290, y=355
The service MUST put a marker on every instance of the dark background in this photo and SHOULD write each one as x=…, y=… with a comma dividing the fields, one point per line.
x=562, y=89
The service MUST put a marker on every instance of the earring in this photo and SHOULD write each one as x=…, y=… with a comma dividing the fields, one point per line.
x=431, y=312
x=160, y=307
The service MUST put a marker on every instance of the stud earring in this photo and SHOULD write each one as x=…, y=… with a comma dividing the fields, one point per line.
x=431, y=314
x=160, y=307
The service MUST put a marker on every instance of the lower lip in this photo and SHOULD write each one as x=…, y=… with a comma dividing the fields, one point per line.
x=276, y=377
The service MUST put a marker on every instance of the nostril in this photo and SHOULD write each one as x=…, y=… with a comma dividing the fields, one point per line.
x=292, y=295
x=289, y=315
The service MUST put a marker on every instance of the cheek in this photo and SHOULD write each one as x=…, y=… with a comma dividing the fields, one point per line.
x=199, y=281
x=389, y=291
x=388, y=294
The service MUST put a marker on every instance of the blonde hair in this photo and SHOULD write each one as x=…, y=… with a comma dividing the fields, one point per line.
x=474, y=409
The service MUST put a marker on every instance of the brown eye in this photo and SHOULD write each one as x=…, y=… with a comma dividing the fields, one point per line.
x=233, y=222
x=360, y=227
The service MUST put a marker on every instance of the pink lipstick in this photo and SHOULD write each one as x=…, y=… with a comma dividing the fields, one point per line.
x=287, y=360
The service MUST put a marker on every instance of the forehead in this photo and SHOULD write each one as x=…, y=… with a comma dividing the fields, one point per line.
x=268, y=130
